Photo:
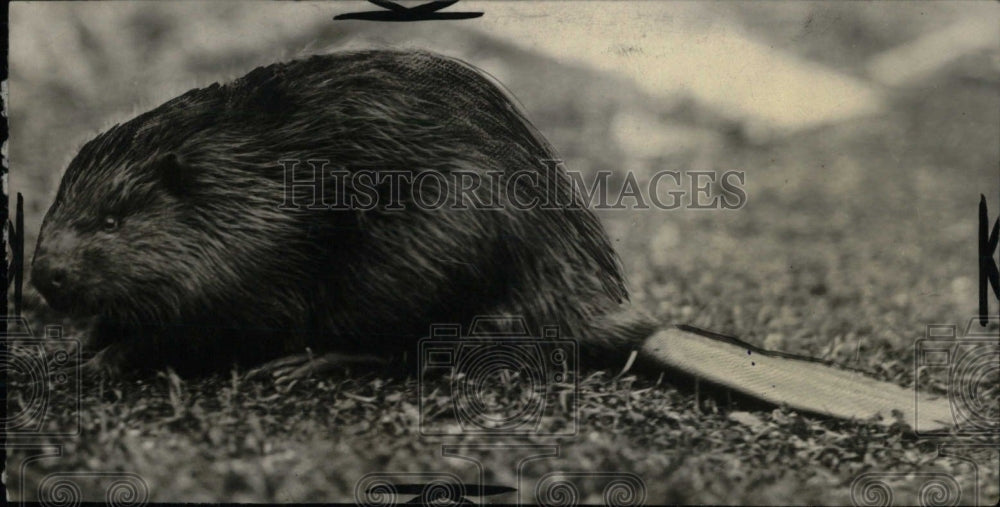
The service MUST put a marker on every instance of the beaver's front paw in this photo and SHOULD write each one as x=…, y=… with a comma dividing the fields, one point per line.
x=290, y=369
x=111, y=363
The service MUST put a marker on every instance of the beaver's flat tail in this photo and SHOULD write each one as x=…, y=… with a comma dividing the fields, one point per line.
x=801, y=383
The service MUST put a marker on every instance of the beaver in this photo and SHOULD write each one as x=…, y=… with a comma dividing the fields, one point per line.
x=184, y=238
x=174, y=229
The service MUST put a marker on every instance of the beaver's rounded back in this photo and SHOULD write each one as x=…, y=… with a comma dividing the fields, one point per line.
x=182, y=216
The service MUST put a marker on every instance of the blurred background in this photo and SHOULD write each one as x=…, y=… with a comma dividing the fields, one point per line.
x=867, y=132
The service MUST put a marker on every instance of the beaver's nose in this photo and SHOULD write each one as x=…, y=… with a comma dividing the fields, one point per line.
x=52, y=282
x=46, y=277
x=51, y=267
x=57, y=277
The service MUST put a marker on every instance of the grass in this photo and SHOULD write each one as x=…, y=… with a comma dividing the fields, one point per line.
x=855, y=237
x=226, y=440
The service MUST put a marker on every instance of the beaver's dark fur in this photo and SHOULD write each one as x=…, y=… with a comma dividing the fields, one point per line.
x=168, y=227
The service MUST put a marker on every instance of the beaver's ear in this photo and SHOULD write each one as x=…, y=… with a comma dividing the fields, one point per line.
x=175, y=175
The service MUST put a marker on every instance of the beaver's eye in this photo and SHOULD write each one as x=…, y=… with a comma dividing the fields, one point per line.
x=110, y=223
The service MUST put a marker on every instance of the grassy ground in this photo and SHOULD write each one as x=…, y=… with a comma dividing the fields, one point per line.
x=855, y=237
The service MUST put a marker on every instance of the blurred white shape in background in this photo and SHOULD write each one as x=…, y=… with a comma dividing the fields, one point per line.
x=921, y=58
x=644, y=136
x=671, y=48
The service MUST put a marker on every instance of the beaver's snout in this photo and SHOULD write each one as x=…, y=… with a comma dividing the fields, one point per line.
x=51, y=281
x=50, y=272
